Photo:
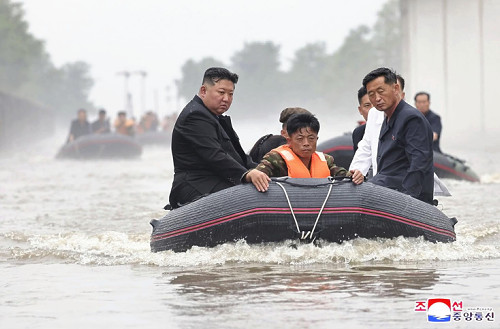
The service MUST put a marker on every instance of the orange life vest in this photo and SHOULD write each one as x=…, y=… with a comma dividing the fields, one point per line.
x=297, y=169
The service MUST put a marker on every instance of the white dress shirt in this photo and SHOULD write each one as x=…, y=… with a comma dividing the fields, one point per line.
x=366, y=154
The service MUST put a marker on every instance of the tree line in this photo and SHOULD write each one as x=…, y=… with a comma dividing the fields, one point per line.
x=27, y=72
x=316, y=79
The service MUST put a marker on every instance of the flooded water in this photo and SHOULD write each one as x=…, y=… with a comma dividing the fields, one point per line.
x=74, y=253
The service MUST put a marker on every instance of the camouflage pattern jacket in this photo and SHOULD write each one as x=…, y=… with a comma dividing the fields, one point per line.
x=273, y=165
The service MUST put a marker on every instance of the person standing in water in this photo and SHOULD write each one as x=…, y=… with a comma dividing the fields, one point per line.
x=422, y=103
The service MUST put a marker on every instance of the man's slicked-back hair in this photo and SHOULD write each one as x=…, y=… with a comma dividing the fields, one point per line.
x=302, y=120
x=401, y=81
x=423, y=93
x=388, y=74
x=361, y=92
x=215, y=74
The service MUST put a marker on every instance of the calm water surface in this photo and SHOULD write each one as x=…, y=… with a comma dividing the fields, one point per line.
x=74, y=253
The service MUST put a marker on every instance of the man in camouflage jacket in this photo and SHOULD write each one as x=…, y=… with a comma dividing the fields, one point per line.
x=297, y=159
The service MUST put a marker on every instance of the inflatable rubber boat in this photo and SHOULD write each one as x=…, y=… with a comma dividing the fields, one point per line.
x=304, y=209
x=445, y=165
x=154, y=138
x=98, y=146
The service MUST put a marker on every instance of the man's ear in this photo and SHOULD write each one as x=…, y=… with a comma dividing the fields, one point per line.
x=203, y=91
x=397, y=88
x=288, y=140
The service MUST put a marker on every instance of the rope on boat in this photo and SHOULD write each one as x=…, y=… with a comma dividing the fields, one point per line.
x=309, y=234
x=321, y=210
x=290, y=206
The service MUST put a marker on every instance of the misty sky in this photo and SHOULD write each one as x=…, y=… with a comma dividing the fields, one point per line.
x=158, y=36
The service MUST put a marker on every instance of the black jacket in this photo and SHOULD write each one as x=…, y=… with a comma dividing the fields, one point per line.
x=405, y=157
x=264, y=145
x=207, y=154
x=435, y=121
x=78, y=129
x=357, y=136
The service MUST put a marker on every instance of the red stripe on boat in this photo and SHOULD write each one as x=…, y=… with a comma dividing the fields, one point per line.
x=357, y=210
x=453, y=171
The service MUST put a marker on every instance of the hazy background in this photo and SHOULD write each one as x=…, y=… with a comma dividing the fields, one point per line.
x=59, y=55
x=159, y=36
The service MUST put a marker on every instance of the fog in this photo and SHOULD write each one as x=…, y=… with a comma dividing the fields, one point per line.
x=159, y=36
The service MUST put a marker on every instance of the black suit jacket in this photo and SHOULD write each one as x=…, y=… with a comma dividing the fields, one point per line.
x=207, y=154
x=405, y=157
x=357, y=136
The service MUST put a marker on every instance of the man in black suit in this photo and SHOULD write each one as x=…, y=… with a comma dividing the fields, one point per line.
x=405, y=157
x=422, y=103
x=206, y=150
x=79, y=127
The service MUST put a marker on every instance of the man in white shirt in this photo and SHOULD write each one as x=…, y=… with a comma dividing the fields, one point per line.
x=366, y=154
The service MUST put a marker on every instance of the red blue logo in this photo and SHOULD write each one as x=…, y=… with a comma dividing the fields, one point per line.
x=438, y=310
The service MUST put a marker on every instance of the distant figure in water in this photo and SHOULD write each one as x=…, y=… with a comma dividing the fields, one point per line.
x=364, y=107
x=101, y=125
x=169, y=122
x=79, y=127
x=422, y=103
x=123, y=125
x=149, y=122
x=298, y=158
x=269, y=142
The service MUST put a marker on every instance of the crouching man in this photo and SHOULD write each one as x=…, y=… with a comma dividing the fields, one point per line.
x=298, y=158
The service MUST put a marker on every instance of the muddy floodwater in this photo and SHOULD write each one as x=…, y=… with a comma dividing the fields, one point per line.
x=74, y=253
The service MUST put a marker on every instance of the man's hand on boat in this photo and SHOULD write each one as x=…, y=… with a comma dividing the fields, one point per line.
x=259, y=179
x=357, y=176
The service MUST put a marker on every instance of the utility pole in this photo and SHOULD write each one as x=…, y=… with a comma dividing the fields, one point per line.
x=168, y=98
x=143, y=75
x=128, y=96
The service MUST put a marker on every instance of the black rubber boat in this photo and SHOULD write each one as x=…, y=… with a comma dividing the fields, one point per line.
x=100, y=146
x=340, y=148
x=322, y=209
x=445, y=165
x=448, y=166
x=154, y=138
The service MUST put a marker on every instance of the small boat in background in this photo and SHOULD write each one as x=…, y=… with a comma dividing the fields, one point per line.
x=448, y=166
x=445, y=165
x=101, y=146
x=161, y=138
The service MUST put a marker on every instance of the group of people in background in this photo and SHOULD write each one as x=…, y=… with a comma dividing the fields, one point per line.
x=122, y=124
